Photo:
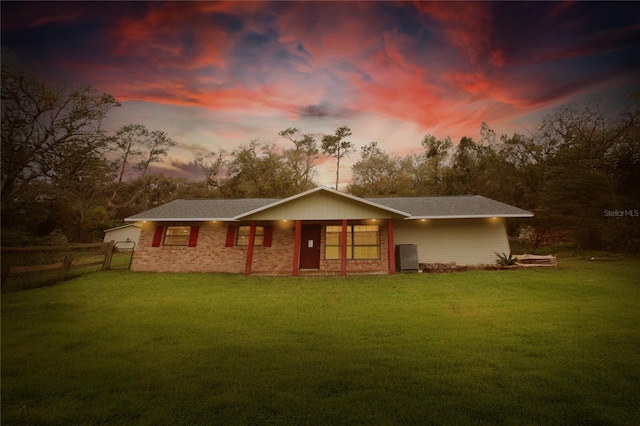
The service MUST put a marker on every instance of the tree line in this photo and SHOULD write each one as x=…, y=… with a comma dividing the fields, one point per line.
x=64, y=178
x=575, y=168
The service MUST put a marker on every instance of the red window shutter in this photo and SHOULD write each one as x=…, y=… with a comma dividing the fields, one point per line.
x=231, y=236
x=268, y=236
x=193, y=236
x=157, y=236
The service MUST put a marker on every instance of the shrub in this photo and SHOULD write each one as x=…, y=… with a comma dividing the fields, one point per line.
x=504, y=260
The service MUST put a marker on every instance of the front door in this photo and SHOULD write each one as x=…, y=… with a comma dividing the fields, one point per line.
x=310, y=247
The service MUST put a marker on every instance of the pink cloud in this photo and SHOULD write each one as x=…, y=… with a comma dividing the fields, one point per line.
x=398, y=85
x=359, y=64
x=258, y=66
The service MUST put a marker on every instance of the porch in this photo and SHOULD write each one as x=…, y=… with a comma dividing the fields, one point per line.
x=319, y=247
x=317, y=273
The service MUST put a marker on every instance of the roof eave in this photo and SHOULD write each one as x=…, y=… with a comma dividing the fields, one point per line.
x=477, y=216
x=123, y=226
x=180, y=219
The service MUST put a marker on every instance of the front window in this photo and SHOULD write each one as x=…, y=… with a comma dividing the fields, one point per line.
x=333, y=241
x=242, y=238
x=177, y=235
x=366, y=242
x=363, y=242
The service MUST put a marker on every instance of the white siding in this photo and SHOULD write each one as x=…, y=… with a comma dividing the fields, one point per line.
x=124, y=233
x=321, y=206
x=464, y=241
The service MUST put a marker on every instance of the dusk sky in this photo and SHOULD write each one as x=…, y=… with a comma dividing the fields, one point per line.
x=220, y=74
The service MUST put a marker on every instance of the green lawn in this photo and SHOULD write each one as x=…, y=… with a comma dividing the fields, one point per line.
x=537, y=346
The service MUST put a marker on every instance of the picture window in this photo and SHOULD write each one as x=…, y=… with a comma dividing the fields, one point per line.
x=363, y=242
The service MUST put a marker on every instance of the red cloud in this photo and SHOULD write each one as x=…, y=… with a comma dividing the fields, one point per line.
x=157, y=40
x=329, y=36
x=361, y=65
x=321, y=61
x=465, y=25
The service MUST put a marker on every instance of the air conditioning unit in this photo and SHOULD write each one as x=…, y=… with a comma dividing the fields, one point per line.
x=406, y=257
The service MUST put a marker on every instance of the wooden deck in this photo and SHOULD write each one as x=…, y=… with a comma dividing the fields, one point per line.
x=532, y=260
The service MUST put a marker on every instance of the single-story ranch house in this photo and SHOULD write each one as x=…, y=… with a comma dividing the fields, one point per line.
x=320, y=230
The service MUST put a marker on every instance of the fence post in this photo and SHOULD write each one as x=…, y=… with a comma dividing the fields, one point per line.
x=108, y=255
x=66, y=265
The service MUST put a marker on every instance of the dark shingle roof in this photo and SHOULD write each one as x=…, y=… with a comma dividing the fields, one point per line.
x=464, y=206
x=468, y=206
x=218, y=209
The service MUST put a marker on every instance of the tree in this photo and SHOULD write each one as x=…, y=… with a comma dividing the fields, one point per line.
x=259, y=171
x=522, y=171
x=126, y=144
x=147, y=192
x=583, y=167
x=335, y=146
x=303, y=157
x=377, y=174
x=155, y=146
x=47, y=132
x=624, y=158
x=136, y=147
x=212, y=165
x=478, y=168
x=573, y=202
x=434, y=160
x=464, y=167
x=54, y=169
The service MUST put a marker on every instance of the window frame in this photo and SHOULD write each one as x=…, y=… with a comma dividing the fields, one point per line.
x=259, y=241
x=351, y=238
x=166, y=234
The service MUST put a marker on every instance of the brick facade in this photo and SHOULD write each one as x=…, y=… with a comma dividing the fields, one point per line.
x=211, y=255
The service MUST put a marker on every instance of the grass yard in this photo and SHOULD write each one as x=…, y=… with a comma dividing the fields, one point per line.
x=537, y=346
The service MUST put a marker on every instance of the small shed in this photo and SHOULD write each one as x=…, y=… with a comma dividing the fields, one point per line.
x=130, y=232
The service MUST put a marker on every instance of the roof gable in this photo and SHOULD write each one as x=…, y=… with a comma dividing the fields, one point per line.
x=323, y=204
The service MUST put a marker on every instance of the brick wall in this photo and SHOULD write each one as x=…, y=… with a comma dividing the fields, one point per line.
x=211, y=255
x=278, y=257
